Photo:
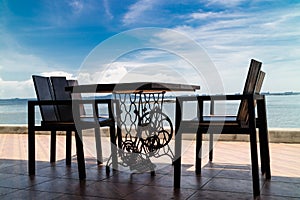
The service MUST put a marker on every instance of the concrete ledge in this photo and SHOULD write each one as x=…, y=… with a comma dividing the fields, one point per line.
x=13, y=128
x=276, y=135
x=287, y=135
x=22, y=129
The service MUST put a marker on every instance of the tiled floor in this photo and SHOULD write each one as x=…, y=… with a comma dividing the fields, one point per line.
x=228, y=177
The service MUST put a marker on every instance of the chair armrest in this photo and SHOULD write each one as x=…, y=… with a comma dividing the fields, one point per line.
x=220, y=97
x=212, y=98
x=231, y=97
x=74, y=103
x=49, y=102
x=95, y=104
x=112, y=106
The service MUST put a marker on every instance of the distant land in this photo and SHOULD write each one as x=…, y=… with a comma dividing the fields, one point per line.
x=280, y=93
x=166, y=96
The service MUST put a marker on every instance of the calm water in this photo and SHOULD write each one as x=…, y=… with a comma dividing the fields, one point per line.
x=282, y=111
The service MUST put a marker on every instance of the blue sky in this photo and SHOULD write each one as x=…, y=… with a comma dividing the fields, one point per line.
x=54, y=37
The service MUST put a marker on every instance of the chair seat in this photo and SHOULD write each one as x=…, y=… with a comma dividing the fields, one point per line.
x=101, y=120
x=215, y=120
x=215, y=124
x=218, y=118
x=84, y=120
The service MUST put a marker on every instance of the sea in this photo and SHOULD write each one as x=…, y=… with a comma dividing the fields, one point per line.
x=283, y=111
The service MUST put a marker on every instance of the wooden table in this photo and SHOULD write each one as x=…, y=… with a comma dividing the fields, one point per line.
x=135, y=87
x=144, y=102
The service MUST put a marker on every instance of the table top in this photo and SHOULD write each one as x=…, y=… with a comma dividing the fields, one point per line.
x=135, y=87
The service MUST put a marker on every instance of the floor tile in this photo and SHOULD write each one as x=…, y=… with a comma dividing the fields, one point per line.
x=281, y=189
x=187, y=182
x=65, y=186
x=136, y=178
x=22, y=181
x=285, y=179
x=227, y=177
x=229, y=185
x=219, y=195
x=5, y=190
x=264, y=197
x=30, y=195
x=111, y=189
x=15, y=167
x=78, y=197
x=232, y=172
x=160, y=193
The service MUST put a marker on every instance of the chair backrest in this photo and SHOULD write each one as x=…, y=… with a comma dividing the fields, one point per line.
x=76, y=95
x=250, y=88
x=64, y=111
x=252, y=77
x=43, y=90
x=260, y=81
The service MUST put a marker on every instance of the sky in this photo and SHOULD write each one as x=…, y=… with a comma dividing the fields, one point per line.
x=58, y=37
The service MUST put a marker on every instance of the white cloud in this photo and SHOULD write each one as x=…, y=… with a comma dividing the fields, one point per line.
x=111, y=74
x=74, y=13
x=204, y=15
x=14, y=61
x=76, y=5
x=229, y=3
x=234, y=38
x=137, y=11
x=59, y=73
x=16, y=89
x=140, y=71
x=18, y=65
x=114, y=73
x=107, y=9
x=17, y=59
x=25, y=89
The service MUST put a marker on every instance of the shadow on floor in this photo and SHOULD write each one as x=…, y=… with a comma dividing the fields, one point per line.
x=58, y=181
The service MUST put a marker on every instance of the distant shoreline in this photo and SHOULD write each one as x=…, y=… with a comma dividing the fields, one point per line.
x=280, y=93
x=110, y=96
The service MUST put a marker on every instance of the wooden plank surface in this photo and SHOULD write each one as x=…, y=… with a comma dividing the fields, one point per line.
x=135, y=87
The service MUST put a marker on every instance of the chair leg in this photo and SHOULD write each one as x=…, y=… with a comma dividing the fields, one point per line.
x=211, y=146
x=31, y=151
x=177, y=161
x=254, y=164
x=254, y=161
x=98, y=146
x=119, y=136
x=68, y=147
x=264, y=153
x=264, y=140
x=198, y=152
x=53, y=147
x=31, y=139
x=253, y=148
x=113, y=143
x=80, y=155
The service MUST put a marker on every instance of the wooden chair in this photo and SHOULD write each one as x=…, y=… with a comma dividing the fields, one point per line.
x=56, y=112
x=245, y=122
x=66, y=114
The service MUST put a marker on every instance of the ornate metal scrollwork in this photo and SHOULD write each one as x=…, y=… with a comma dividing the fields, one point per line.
x=146, y=129
x=152, y=132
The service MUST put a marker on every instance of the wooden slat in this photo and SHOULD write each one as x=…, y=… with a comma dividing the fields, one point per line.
x=250, y=85
x=132, y=87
